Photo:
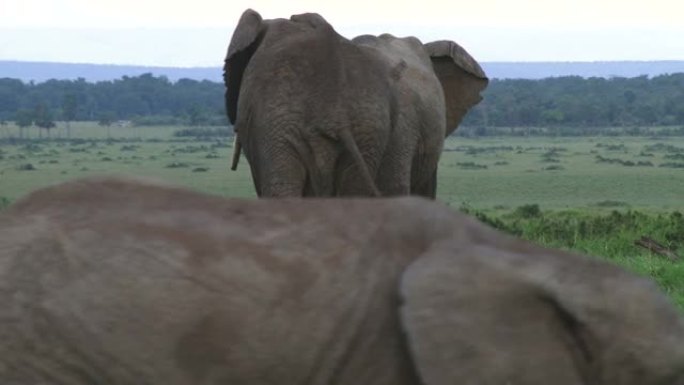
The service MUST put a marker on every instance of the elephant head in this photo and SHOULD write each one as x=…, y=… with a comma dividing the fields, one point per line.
x=318, y=114
x=518, y=314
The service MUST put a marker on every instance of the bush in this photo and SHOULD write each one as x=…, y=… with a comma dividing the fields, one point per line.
x=662, y=147
x=471, y=165
x=528, y=211
x=26, y=167
x=610, y=203
x=177, y=165
x=491, y=221
x=190, y=149
x=672, y=165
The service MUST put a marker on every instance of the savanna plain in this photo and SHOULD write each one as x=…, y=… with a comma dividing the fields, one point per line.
x=595, y=195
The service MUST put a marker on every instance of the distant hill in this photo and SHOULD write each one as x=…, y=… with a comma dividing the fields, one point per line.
x=42, y=71
x=602, y=69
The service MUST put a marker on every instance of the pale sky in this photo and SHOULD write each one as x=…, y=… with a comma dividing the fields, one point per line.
x=197, y=32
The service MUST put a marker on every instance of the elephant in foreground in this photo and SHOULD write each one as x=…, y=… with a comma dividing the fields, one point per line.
x=320, y=115
x=115, y=281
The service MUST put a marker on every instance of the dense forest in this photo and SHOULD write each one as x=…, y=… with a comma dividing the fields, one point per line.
x=574, y=104
x=578, y=102
x=144, y=99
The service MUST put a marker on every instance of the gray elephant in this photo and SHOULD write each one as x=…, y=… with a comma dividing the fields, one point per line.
x=113, y=281
x=320, y=115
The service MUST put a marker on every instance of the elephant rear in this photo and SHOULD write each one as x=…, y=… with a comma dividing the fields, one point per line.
x=311, y=109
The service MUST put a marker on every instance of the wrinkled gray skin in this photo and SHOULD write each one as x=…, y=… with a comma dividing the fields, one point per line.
x=122, y=282
x=320, y=115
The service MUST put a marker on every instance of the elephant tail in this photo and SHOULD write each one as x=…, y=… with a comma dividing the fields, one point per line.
x=350, y=145
x=237, y=148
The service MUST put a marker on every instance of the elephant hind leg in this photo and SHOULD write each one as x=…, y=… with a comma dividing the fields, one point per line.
x=427, y=188
x=394, y=174
x=281, y=174
x=363, y=182
x=287, y=181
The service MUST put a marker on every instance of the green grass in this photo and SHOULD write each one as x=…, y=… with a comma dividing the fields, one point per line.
x=610, y=236
x=517, y=173
x=152, y=155
x=488, y=174
x=577, y=184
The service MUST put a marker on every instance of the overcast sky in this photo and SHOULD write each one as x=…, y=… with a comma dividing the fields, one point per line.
x=196, y=32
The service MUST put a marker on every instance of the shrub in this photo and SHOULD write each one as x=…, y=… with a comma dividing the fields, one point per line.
x=528, y=211
x=26, y=167
x=471, y=165
x=672, y=165
x=610, y=203
x=675, y=156
x=177, y=165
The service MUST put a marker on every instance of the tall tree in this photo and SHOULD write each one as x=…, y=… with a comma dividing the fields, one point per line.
x=23, y=118
x=43, y=118
x=105, y=120
x=69, y=109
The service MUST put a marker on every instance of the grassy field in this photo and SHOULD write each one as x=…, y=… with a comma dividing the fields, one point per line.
x=488, y=174
x=595, y=195
x=147, y=151
x=565, y=173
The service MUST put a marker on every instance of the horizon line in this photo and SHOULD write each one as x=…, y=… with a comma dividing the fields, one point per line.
x=484, y=61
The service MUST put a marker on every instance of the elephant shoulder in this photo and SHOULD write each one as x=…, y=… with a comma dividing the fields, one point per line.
x=313, y=20
x=403, y=57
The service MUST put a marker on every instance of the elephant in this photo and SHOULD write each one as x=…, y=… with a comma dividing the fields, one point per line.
x=124, y=281
x=320, y=115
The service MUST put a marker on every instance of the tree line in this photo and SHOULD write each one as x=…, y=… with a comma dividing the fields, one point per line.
x=578, y=102
x=145, y=99
x=569, y=103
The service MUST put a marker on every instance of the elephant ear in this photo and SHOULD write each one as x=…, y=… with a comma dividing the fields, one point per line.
x=242, y=46
x=461, y=76
x=482, y=315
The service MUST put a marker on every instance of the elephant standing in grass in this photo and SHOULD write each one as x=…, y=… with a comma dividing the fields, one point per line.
x=109, y=281
x=320, y=115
